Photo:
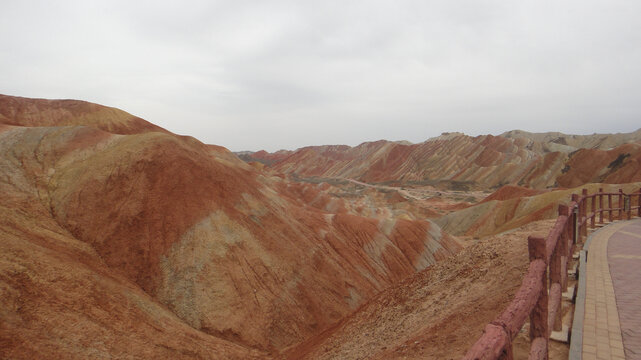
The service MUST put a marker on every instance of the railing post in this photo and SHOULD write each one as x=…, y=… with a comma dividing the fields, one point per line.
x=562, y=245
x=574, y=229
x=639, y=203
x=556, y=281
x=593, y=212
x=621, y=204
x=600, y=205
x=555, y=266
x=576, y=213
x=569, y=230
x=584, y=213
x=539, y=315
x=610, y=206
x=627, y=205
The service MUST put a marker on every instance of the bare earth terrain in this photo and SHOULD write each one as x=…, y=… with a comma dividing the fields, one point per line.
x=119, y=239
x=437, y=313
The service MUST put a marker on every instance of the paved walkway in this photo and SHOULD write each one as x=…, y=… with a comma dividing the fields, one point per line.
x=612, y=318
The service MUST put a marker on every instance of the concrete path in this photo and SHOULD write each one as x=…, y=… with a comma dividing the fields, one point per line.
x=612, y=316
x=624, y=257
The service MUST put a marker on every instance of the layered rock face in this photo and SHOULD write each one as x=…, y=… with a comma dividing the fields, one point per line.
x=121, y=235
x=485, y=162
x=59, y=295
x=619, y=165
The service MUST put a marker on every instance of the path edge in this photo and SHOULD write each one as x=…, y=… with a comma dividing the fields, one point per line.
x=576, y=337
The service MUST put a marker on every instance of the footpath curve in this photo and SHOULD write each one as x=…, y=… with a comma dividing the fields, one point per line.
x=540, y=294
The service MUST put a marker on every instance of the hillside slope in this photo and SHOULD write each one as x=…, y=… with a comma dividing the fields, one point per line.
x=58, y=297
x=501, y=212
x=616, y=166
x=20, y=111
x=230, y=251
x=437, y=313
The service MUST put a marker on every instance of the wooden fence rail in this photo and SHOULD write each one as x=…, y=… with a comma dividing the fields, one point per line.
x=539, y=296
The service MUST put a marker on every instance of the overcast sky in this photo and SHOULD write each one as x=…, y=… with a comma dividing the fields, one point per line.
x=252, y=75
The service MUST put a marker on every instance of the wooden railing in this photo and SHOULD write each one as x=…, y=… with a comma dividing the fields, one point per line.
x=539, y=296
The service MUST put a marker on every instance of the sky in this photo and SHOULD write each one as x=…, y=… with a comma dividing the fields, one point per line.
x=251, y=75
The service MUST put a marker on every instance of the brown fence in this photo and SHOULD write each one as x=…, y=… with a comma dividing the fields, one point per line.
x=539, y=296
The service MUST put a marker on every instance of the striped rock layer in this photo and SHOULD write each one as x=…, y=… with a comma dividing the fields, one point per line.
x=119, y=238
x=483, y=162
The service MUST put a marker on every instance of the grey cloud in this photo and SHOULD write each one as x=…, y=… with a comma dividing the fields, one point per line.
x=285, y=74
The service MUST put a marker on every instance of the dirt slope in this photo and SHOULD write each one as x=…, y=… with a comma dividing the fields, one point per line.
x=437, y=313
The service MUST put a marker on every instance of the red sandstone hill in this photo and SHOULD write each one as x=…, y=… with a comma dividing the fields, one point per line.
x=119, y=239
x=21, y=111
x=619, y=165
x=461, y=161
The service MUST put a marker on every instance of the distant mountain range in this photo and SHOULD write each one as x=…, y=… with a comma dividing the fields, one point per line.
x=455, y=160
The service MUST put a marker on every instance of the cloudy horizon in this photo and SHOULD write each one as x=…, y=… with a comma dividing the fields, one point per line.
x=287, y=74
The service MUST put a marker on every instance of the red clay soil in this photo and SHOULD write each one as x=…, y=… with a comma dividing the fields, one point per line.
x=437, y=313
x=59, y=300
